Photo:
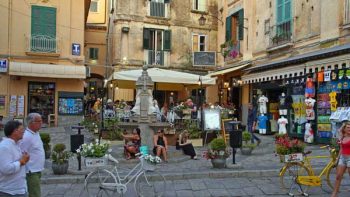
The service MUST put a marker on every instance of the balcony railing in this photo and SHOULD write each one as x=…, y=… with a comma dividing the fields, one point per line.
x=42, y=44
x=280, y=34
x=153, y=57
x=158, y=9
x=231, y=51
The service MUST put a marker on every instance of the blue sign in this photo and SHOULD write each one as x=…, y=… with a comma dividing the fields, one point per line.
x=3, y=65
x=75, y=49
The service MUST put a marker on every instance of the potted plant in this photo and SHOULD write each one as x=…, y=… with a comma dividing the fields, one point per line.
x=94, y=153
x=247, y=147
x=217, y=153
x=60, y=159
x=286, y=146
x=45, y=137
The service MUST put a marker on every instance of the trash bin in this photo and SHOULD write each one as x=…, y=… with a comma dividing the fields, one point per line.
x=235, y=134
x=76, y=140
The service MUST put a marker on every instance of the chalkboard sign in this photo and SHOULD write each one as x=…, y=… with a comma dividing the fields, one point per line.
x=212, y=119
x=207, y=58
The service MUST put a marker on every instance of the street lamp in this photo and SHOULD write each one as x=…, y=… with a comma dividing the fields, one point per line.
x=202, y=19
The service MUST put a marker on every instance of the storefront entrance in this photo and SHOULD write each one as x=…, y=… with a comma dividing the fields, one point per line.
x=41, y=99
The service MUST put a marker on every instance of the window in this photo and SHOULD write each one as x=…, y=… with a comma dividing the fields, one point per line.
x=93, y=53
x=158, y=8
x=199, y=43
x=94, y=6
x=43, y=29
x=156, y=41
x=267, y=26
x=235, y=26
x=283, y=11
x=347, y=12
x=200, y=5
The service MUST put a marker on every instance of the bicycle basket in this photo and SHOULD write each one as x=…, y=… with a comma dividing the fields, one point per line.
x=295, y=157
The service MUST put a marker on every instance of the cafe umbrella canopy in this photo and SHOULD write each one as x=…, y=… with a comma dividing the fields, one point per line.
x=165, y=79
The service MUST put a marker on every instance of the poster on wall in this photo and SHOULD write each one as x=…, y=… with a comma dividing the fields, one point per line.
x=212, y=119
x=20, y=107
x=13, y=105
x=70, y=106
x=2, y=102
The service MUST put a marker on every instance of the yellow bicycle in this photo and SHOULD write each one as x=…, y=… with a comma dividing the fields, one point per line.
x=297, y=173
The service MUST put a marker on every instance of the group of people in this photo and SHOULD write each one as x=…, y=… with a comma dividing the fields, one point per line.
x=22, y=158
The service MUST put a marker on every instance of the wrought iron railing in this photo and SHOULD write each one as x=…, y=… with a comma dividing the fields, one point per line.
x=158, y=9
x=280, y=34
x=42, y=44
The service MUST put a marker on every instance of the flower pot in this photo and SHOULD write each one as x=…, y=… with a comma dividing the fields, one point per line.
x=246, y=150
x=95, y=161
x=219, y=162
x=60, y=168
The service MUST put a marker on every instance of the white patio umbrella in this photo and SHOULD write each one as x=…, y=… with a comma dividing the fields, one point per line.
x=165, y=79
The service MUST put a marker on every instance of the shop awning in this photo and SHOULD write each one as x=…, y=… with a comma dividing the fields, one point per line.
x=163, y=76
x=298, y=59
x=47, y=70
x=275, y=74
x=227, y=70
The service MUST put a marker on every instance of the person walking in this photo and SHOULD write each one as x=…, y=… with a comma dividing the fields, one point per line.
x=252, y=123
x=344, y=156
x=12, y=169
x=33, y=145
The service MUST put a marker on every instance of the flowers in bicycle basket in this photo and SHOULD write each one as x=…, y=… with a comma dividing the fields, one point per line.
x=286, y=146
x=153, y=159
x=94, y=149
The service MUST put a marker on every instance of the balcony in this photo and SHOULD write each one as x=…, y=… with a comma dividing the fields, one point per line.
x=231, y=51
x=280, y=36
x=153, y=57
x=156, y=9
x=42, y=44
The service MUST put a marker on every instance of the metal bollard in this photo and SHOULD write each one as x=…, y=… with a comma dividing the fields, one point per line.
x=234, y=155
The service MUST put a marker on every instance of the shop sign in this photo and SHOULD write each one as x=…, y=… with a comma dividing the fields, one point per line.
x=3, y=65
x=75, y=49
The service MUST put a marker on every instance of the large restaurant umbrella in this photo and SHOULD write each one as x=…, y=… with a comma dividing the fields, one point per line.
x=165, y=79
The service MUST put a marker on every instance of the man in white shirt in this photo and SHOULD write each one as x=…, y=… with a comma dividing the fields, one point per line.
x=12, y=170
x=33, y=145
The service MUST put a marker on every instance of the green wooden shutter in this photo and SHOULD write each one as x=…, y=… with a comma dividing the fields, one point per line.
x=228, y=28
x=43, y=21
x=280, y=8
x=146, y=38
x=167, y=40
x=287, y=10
x=241, y=24
x=166, y=1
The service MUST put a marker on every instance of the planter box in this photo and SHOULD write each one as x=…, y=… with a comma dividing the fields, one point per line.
x=295, y=157
x=95, y=162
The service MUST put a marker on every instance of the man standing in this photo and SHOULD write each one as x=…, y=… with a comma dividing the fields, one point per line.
x=12, y=170
x=33, y=145
x=252, y=123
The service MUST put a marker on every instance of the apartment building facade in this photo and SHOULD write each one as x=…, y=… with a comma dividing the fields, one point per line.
x=42, y=59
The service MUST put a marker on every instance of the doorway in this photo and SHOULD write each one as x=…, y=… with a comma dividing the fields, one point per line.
x=41, y=99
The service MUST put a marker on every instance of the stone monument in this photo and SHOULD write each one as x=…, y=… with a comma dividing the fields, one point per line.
x=144, y=111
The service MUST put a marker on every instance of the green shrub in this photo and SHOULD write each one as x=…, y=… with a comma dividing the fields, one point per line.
x=246, y=136
x=218, y=144
x=45, y=137
x=59, y=154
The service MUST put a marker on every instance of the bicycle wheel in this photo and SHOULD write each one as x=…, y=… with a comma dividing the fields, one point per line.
x=289, y=174
x=328, y=184
x=101, y=183
x=150, y=184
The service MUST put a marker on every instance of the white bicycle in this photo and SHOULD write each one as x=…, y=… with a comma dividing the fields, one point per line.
x=147, y=182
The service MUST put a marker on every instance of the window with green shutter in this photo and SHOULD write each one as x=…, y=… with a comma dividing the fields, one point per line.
x=283, y=11
x=93, y=53
x=228, y=28
x=43, y=29
x=167, y=40
x=240, y=24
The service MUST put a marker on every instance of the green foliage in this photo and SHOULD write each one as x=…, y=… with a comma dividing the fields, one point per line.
x=115, y=134
x=91, y=124
x=59, y=154
x=246, y=136
x=218, y=144
x=45, y=137
x=193, y=130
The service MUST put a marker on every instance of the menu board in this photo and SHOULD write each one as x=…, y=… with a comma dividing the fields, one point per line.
x=20, y=106
x=13, y=105
x=212, y=119
x=2, y=102
x=70, y=106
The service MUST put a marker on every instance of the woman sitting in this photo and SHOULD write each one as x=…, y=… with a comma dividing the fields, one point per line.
x=186, y=145
x=160, y=145
x=132, y=143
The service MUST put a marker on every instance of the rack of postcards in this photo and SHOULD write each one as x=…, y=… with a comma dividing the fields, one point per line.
x=340, y=115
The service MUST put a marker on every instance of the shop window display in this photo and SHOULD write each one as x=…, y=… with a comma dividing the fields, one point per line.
x=41, y=99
